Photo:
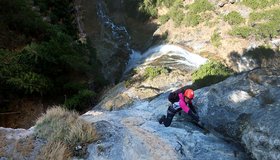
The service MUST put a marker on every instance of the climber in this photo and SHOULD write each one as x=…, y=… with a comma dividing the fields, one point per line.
x=180, y=101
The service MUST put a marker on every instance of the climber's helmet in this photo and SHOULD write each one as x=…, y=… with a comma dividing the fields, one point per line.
x=189, y=93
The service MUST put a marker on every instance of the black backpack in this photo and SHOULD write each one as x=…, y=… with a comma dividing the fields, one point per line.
x=173, y=97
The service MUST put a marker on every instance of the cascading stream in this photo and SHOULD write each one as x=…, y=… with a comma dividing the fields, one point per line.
x=119, y=33
x=173, y=55
x=167, y=55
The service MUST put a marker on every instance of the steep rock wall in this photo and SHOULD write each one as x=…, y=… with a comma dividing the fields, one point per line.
x=245, y=108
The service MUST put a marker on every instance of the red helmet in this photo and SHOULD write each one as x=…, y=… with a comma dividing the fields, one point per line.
x=189, y=93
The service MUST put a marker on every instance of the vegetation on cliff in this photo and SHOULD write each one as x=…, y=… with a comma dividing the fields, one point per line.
x=145, y=9
x=210, y=73
x=64, y=131
x=263, y=21
x=41, y=56
x=263, y=24
x=259, y=4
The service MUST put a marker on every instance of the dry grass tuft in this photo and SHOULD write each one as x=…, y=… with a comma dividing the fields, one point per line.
x=59, y=124
x=54, y=151
x=3, y=142
x=63, y=129
x=24, y=146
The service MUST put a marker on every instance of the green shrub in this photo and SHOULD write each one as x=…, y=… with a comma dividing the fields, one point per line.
x=259, y=4
x=163, y=19
x=18, y=76
x=164, y=35
x=60, y=50
x=74, y=86
x=58, y=11
x=263, y=24
x=266, y=23
x=41, y=67
x=191, y=20
x=167, y=3
x=140, y=9
x=143, y=9
x=149, y=7
x=256, y=16
x=200, y=6
x=131, y=8
x=41, y=57
x=244, y=32
x=79, y=100
x=19, y=24
x=128, y=83
x=207, y=17
x=210, y=73
x=152, y=72
x=267, y=30
x=216, y=39
x=265, y=16
x=29, y=82
x=177, y=15
x=234, y=18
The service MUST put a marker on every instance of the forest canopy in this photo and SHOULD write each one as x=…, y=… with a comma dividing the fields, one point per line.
x=41, y=56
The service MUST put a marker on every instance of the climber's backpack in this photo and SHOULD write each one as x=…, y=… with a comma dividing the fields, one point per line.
x=174, y=96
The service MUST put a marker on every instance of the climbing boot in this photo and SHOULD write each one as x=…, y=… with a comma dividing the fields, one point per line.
x=161, y=119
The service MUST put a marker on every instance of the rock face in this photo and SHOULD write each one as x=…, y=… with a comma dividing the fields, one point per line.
x=177, y=63
x=245, y=108
x=242, y=110
x=255, y=58
x=18, y=144
x=122, y=95
x=110, y=39
x=127, y=120
x=135, y=133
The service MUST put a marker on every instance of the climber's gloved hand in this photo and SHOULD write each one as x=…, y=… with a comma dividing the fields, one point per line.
x=194, y=116
x=200, y=123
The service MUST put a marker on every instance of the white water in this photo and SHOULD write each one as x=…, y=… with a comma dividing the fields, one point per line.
x=177, y=55
x=118, y=33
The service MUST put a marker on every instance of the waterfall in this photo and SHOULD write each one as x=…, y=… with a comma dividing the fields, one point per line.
x=116, y=37
x=167, y=55
x=82, y=35
x=119, y=33
x=174, y=56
